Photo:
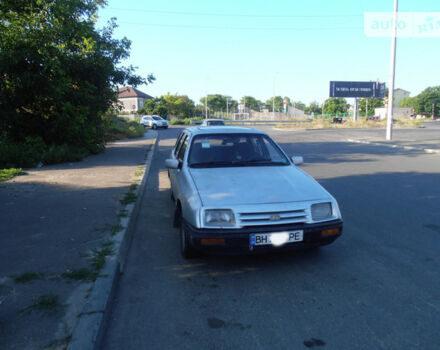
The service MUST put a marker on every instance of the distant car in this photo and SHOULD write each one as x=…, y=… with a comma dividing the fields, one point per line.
x=153, y=121
x=235, y=190
x=212, y=122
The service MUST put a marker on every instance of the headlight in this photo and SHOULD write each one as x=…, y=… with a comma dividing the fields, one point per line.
x=219, y=217
x=321, y=211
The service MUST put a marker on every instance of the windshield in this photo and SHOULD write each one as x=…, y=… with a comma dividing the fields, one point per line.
x=157, y=118
x=229, y=150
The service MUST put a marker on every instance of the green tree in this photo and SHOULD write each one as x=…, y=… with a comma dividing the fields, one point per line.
x=335, y=106
x=408, y=102
x=298, y=105
x=372, y=104
x=179, y=105
x=251, y=102
x=59, y=74
x=278, y=101
x=216, y=103
x=314, y=107
x=423, y=102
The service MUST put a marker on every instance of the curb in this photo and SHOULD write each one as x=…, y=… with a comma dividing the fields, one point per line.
x=392, y=145
x=90, y=328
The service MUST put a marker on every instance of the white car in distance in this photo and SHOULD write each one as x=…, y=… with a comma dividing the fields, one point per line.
x=154, y=122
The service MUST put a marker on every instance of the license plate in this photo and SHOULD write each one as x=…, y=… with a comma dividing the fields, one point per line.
x=276, y=238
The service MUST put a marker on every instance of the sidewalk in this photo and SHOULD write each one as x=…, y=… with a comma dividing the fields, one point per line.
x=58, y=225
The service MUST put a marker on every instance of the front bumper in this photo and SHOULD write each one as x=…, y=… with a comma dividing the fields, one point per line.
x=237, y=241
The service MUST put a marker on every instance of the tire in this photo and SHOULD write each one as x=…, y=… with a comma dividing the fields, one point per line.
x=154, y=126
x=186, y=249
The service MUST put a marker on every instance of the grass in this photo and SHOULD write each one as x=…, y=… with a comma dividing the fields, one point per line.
x=99, y=255
x=123, y=213
x=186, y=121
x=116, y=229
x=129, y=197
x=82, y=274
x=97, y=260
x=47, y=304
x=140, y=170
x=119, y=128
x=7, y=174
x=362, y=123
x=28, y=277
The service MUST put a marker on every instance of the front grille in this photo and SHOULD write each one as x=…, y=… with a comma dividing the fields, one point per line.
x=273, y=217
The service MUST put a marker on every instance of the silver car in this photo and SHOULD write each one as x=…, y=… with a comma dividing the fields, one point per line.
x=153, y=121
x=236, y=191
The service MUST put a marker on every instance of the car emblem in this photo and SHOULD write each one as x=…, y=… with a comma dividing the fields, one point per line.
x=274, y=218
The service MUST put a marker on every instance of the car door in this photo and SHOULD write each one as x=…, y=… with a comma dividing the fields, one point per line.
x=175, y=174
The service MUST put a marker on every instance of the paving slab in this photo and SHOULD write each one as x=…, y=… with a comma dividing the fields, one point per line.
x=51, y=220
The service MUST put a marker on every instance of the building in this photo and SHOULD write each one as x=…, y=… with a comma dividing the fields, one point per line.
x=131, y=99
x=399, y=112
x=399, y=96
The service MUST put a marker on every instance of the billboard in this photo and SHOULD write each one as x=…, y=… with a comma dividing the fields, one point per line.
x=363, y=89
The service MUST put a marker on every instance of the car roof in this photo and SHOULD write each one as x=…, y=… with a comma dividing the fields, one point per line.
x=220, y=129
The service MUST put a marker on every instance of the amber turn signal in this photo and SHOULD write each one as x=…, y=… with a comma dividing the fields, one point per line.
x=211, y=241
x=332, y=231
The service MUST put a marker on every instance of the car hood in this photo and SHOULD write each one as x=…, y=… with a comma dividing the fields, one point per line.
x=255, y=185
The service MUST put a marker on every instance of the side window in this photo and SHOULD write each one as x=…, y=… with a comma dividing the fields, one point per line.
x=178, y=143
x=182, y=149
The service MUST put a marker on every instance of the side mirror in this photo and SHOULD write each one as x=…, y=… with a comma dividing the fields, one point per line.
x=297, y=160
x=172, y=163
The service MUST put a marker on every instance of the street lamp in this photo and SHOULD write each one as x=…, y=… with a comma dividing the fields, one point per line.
x=393, y=67
x=273, y=96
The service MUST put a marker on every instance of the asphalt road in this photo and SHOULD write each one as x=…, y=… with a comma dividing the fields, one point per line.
x=377, y=287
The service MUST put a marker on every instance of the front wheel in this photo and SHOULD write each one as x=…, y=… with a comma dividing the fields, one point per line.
x=154, y=126
x=186, y=248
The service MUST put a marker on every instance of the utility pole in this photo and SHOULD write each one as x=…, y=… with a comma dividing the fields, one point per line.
x=433, y=111
x=356, y=109
x=393, y=73
x=206, y=107
x=227, y=107
x=366, y=108
x=273, y=107
x=273, y=96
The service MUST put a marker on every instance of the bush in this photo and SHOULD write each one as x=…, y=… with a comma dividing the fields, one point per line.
x=119, y=128
x=21, y=155
x=30, y=153
x=64, y=153
x=7, y=174
x=33, y=150
x=186, y=121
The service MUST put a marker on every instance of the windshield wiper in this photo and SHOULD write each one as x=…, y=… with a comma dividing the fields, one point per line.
x=259, y=162
x=210, y=164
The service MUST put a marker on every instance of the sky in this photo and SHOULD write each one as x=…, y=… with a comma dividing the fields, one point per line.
x=262, y=48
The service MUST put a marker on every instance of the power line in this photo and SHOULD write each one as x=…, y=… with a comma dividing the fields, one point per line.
x=241, y=28
x=184, y=13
